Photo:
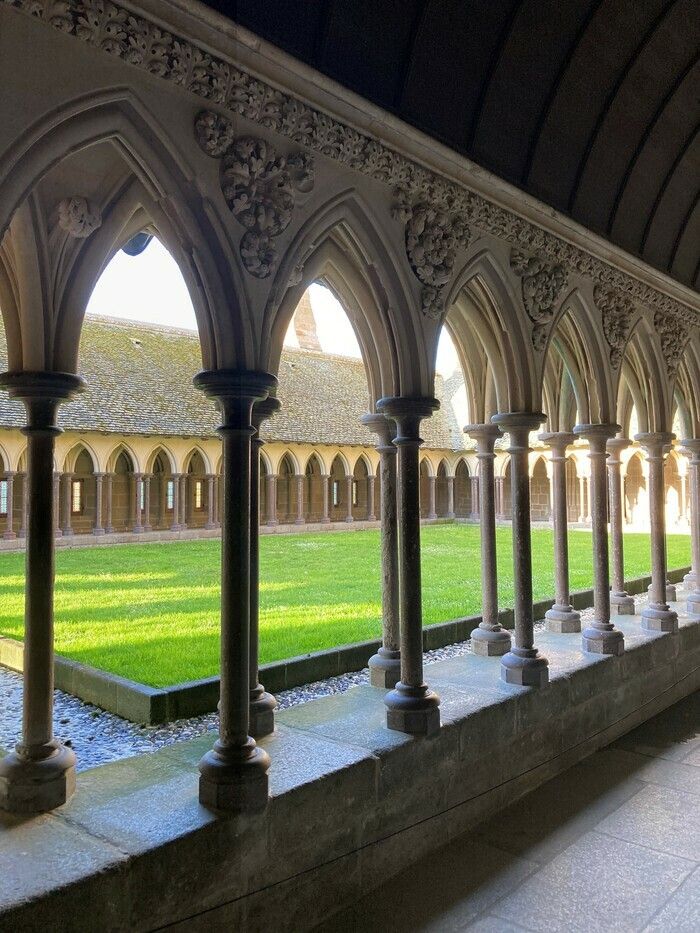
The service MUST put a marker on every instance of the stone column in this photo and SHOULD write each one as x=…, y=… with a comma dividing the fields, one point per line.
x=489, y=638
x=9, y=533
x=138, y=512
x=523, y=664
x=40, y=774
x=183, y=501
x=450, y=497
x=500, y=497
x=325, y=517
x=211, y=523
x=474, y=482
x=371, y=517
x=301, y=515
x=562, y=617
x=67, y=529
x=691, y=448
x=271, y=499
x=589, y=497
x=147, y=502
x=57, y=505
x=262, y=705
x=657, y=615
x=22, y=533
x=683, y=504
x=176, y=502
x=432, y=513
x=601, y=636
x=97, y=527
x=621, y=602
x=109, y=481
x=582, y=499
x=348, y=487
x=411, y=706
x=385, y=665
x=233, y=776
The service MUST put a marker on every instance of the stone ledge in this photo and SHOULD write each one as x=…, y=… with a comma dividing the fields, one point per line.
x=351, y=802
x=152, y=705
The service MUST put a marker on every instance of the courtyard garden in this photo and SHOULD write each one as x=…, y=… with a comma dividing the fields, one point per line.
x=149, y=612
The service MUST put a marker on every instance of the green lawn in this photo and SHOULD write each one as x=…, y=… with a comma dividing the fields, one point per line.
x=150, y=611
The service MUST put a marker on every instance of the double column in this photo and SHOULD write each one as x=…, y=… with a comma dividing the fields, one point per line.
x=40, y=774
x=489, y=638
x=233, y=775
x=385, y=665
x=411, y=706
x=523, y=664
x=601, y=636
x=562, y=617
x=657, y=615
x=620, y=600
x=691, y=449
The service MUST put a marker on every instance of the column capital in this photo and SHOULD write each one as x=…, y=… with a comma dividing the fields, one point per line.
x=691, y=449
x=264, y=409
x=236, y=390
x=655, y=443
x=615, y=446
x=485, y=436
x=518, y=421
x=384, y=428
x=557, y=440
x=597, y=435
x=42, y=392
x=408, y=414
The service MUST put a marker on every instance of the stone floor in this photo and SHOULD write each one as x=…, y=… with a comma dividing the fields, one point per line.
x=613, y=844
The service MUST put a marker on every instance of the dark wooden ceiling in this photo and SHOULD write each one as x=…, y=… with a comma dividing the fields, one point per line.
x=590, y=105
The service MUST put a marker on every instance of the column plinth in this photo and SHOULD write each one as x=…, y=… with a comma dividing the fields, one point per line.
x=562, y=617
x=691, y=449
x=657, y=615
x=601, y=636
x=489, y=638
x=39, y=774
x=411, y=706
x=385, y=665
x=523, y=664
x=620, y=600
x=233, y=775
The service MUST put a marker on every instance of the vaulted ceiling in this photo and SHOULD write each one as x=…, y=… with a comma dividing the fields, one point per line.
x=590, y=105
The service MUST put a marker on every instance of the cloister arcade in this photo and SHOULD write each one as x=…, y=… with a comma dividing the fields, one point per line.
x=258, y=189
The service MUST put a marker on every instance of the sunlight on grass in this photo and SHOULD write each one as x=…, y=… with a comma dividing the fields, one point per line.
x=150, y=612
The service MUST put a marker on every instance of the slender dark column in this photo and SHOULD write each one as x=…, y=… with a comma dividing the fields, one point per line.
x=271, y=500
x=67, y=503
x=601, y=636
x=474, y=483
x=620, y=601
x=489, y=638
x=233, y=776
x=176, y=502
x=97, y=527
x=370, y=498
x=262, y=703
x=183, y=501
x=301, y=511
x=138, y=512
x=40, y=774
x=22, y=533
x=385, y=665
x=9, y=533
x=57, y=505
x=450, y=497
x=657, y=615
x=147, y=502
x=109, y=481
x=210, y=501
x=523, y=664
x=692, y=580
x=411, y=706
x=348, y=490
x=431, y=498
x=562, y=617
x=325, y=481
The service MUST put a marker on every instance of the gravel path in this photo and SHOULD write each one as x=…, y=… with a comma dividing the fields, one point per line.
x=100, y=737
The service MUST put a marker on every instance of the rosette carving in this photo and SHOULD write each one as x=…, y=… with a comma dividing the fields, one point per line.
x=258, y=184
x=618, y=313
x=541, y=285
x=434, y=234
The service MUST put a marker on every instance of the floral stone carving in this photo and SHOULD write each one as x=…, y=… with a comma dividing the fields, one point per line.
x=673, y=336
x=434, y=234
x=618, y=313
x=541, y=285
x=76, y=217
x=258, y=184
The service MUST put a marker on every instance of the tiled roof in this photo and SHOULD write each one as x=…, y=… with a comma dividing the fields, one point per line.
x=139, y=379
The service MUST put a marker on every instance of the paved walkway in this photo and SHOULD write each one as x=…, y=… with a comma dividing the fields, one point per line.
x=611, y=845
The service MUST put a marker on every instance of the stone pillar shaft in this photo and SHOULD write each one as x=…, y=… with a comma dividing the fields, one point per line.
x=271, y=480
x=325, y=516
x=56, y=504
x=67, y=504
x=9, y=533
x=411, y=706
x=450, y=497
x=619, y=599
x=474, y=495
x=23, y=527
x=210, y=499
x=147, y=502
x=692, y=580
x=109, y=481
x=97, y=528
x=138, y=512
x=370, y=498
x=349, y=480
x=175, y=479
x=431, y=497
x=300, y=519
x=183, y=501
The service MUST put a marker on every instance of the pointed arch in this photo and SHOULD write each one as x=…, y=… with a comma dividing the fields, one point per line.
x=197, y=450
x=164, y=451
x=73, y=454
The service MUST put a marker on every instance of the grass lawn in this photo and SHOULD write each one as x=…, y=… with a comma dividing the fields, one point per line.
x=150, y=611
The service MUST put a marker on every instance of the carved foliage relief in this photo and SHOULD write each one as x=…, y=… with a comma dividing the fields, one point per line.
x=77, y=218
x=617, y=313
x=541, y=284
x=673, y=336
x=258, y=184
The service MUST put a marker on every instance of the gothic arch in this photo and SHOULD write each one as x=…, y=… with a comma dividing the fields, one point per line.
x=167, y=455
x=72, y=455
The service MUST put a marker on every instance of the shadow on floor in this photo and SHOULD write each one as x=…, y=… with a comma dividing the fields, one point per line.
x=613, y=844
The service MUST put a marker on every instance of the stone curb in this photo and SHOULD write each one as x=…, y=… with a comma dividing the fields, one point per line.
x=152, y=705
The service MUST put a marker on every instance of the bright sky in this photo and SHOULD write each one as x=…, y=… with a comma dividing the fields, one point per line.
x=150, y=288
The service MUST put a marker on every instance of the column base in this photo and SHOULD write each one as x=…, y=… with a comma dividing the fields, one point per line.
x=324, y=521
x=371, y=518
x=270, y=523
x=414, y=710
x=525, y=667
x=175, y=527
x=490, y=641
x=451, y=516
x=58, y=533
x=693, y=604
x=659, y=618
x=109, y=530
x=623, y=604
x=98, y=532
x=299, y=521
x=234, y=779
x=385, y=668
x=671, y=594
x=9, y=536
x=137, y=530
x=66, y=532
x=262, y=712
x=602, y=638
x=36, y=786
x=148, y=527
x=689, y=580
x=209, y=526
x=349, y=519
x=431, y=517
x=562, y=620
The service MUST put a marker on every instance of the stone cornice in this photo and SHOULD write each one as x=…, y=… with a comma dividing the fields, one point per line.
x=145, y=44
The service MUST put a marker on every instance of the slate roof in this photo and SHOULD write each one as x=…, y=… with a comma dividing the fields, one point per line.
x=139, y=379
